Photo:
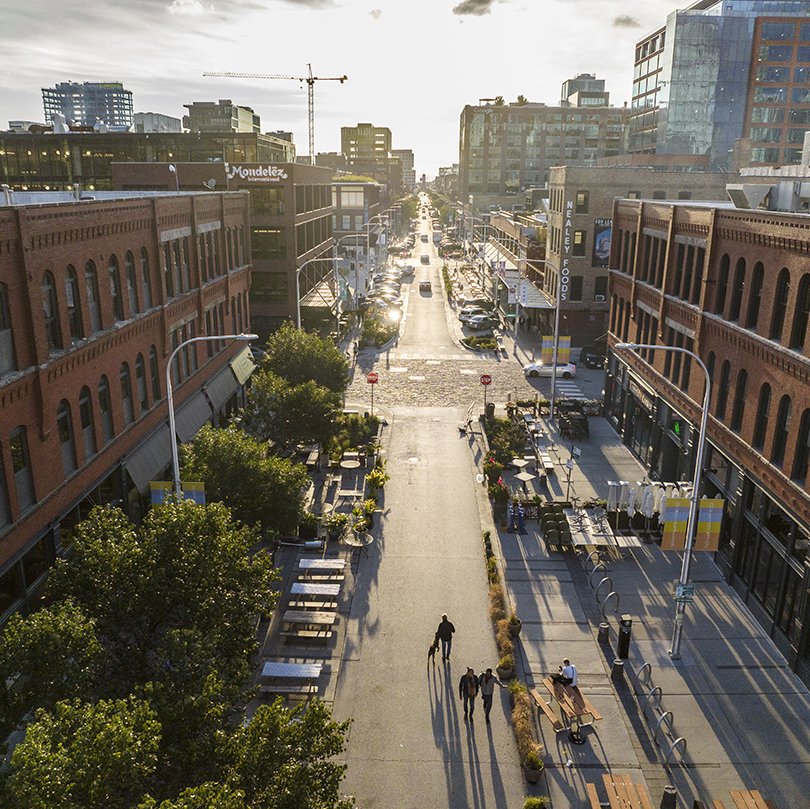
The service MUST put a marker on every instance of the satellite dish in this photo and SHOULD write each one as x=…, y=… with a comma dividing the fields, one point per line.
x=210, y=184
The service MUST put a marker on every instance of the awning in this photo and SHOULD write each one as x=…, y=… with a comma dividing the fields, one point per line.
x=530, y=297
x=192, y=416
x=495, y=257
x=150, y=458
x=221, y=387
x=321, y=296
x=243, y=365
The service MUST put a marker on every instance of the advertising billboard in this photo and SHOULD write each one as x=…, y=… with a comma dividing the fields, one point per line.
x=602, y=233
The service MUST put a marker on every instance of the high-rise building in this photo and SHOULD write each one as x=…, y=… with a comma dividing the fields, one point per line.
x=89, y=103
x=506, y=148
x=365, y=142
x=721, y=70
x=220, y=116
x=405, y=157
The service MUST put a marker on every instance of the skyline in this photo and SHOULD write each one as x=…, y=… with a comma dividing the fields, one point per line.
x=410, y=67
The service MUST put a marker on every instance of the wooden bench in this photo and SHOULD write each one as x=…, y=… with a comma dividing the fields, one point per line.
x=306, y=634
x=573, y=702
x=309, y=617
x=749, y=799
x=312, y=605
x=296, y=689
x=324, y=578
x=545, y=460
x=621, y=792
x=546, y=709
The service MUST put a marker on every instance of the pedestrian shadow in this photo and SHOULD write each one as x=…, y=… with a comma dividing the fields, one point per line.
x=495, y=771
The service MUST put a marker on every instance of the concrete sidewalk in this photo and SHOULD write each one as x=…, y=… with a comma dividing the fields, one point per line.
x=743, y=713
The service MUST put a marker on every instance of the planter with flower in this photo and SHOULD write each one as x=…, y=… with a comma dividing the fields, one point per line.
x=335, y=524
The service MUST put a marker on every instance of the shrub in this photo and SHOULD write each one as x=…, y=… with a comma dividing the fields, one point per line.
x=497, y=611
x=334, y=523
x=492, y=570
x=523, y=722
x=537, y=802
x=377, y=330
x=507, y=662
x=499, y=493
x=377, y=478
x=492, y=469
x=503, y=637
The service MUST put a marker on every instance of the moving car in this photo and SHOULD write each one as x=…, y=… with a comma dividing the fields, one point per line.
x=566, y=370
x=478, y=322
x=425, y=259
x=424, y=237
x=425, y=286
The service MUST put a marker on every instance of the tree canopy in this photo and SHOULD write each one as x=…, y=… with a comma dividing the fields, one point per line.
x=238, y=471
x=299, y=356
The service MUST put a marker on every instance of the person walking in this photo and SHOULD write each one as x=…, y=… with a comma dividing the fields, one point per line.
x=486, y=684
x=445, y=633
x=468, y=691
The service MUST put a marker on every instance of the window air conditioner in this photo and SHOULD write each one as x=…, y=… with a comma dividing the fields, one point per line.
x=598, y=298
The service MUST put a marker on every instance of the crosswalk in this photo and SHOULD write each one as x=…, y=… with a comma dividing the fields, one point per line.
x=566, y=389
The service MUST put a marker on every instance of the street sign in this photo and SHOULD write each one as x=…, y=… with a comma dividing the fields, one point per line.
x=576, y=453
x=569, y=464
x=486, y=379
x=372, y=378
x=684, y=591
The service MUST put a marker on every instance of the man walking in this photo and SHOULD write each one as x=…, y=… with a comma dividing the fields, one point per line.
x=487, y=682
x=467, y=691
x=445, y=633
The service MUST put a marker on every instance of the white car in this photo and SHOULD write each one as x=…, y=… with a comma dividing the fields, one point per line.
x=566, y=370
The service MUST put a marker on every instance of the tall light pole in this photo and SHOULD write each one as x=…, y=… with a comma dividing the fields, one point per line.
x=484, y=225
x=298, y=284
x=694, y=500
x=243, y=338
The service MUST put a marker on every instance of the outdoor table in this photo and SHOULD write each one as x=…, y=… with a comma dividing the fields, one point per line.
x=320, y=508
x=359, y=542
x=519, y=462
x=321, y=564
x=293, y=671
x=309, y=617
x=350, y=464
x=315, y=589
x=575, y=707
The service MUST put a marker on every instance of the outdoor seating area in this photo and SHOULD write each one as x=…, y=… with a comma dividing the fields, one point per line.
x=576, y=709
x=622, y=793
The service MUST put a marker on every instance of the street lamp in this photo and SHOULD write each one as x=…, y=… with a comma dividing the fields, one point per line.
x=173, y=170
x=484, y=225
x=298, y=284
x=694, y=500
x=243, y=338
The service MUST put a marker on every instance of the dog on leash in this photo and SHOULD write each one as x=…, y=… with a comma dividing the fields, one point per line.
x=434, y=647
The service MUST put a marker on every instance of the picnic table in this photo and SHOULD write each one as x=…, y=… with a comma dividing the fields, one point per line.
x=545, y=460
x=299, y=678
x=622, y=793
x=312, y=594
x=308, y=625
x=322, y=569
x=575, y=707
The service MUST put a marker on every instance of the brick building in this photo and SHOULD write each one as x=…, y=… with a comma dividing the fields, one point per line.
x=734, y=287
x=94, y=296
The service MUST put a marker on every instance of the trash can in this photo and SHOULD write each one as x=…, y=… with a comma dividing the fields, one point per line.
x=625, y=631
x=490, y=410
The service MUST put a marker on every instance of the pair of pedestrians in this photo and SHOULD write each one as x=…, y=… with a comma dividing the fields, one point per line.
x=470, y=686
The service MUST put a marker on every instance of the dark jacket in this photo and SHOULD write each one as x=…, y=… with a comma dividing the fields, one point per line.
x=445, y=630
x=465, y=683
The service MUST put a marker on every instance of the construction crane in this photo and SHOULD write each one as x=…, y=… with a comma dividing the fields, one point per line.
x=310, y=80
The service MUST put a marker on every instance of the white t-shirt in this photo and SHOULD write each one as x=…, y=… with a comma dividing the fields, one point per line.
x=570, y=671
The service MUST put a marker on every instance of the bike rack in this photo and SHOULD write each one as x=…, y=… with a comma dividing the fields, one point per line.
x=645, y=669
x=600, y=565
x=589, y=559
x=673, y=746
x=665, y=716
x=604, y=604
x=598, y=587
x=654, y=692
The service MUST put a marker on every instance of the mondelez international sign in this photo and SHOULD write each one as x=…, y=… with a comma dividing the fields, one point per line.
x=257, y=172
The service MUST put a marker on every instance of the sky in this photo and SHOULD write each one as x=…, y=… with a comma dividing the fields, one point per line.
x=412, y=65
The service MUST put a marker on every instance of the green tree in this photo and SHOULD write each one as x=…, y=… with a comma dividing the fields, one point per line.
x=499, y=102
x=238, y=471
x=57, y=652
x=289, y=415
x=85, y=756
x=284, y=758
x=522, y=101
x=299, y=356
x=204, y=796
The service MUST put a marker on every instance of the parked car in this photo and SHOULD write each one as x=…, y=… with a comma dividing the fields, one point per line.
x=481, y=303
x=425, y=286
x=424, y=237
x=479, y=322
x=408, y=269
x=566, y=370
x=425, y=259
x=471, y=311
x=592, y=357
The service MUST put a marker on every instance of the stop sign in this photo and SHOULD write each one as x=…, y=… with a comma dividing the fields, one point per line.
x=486, y=379
x=372, y=378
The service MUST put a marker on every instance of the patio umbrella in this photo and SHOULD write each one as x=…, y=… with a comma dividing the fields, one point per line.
x=519, y=462
x=631, y=501
x=648, y=504
x=525, y=476
x=613, y=495
x=623, y=494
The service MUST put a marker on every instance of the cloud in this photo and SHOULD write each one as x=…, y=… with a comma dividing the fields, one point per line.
x=376, y=13
x=626, y=21
x=476, y=8
x=312, y=3
x=191, y=8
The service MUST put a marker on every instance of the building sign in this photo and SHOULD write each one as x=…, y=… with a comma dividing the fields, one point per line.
x=565, y=270
x=602, y=233
x=642, y=397
x=257, y=173
x=511, y=296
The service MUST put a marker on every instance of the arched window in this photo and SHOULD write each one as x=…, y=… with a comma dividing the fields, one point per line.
x=738, y=410
x=626, y=319
x=800, y=459
x=722, y=390
x=755, y=296
x=625, y=250
x=21, y=464
x=780, y=303
x=798, y=334
x=126, y=393
x=737, y=290
x=86, y=419
x=132, y=282
x=780, y=433
x=105, y=408
x=115, y=289
x=710, y=370
x=722, y=285
x=761, y=423
x=93, y=304
x=64, y=427
x=146, y=280
x=140, y=383
x=154, y=374
x=74, y=309
x=50, y=312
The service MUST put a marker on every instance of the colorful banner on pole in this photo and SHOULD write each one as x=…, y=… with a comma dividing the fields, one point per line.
x=160, y=490
x=674, y=535
x=710, y=518
x=547, y=349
